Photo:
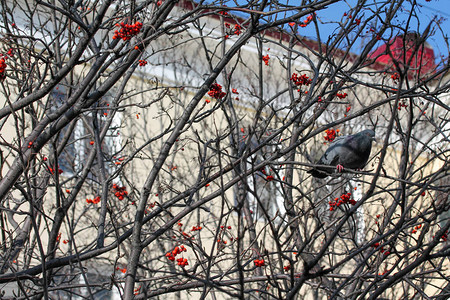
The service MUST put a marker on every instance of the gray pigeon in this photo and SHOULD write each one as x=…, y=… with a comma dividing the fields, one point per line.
x=349, y=151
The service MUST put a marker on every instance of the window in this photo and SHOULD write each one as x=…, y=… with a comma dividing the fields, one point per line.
x=75, y=141
x=263, y=196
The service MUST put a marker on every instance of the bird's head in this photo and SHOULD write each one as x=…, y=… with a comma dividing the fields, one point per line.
x=370, y=133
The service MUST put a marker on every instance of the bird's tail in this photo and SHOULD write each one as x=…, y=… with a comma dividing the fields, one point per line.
x=317, y=173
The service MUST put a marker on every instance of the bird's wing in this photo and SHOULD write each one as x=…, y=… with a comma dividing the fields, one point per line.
x=350, y=151
x=332, y=154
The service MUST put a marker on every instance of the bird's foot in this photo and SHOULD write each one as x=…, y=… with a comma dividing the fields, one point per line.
x=339, y=168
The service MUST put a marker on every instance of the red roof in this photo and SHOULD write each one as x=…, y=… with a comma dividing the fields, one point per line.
x=401, y=51
x=422, y=62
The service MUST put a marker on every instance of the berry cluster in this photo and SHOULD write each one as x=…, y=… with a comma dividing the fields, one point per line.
x=416, y=228
x=300, y=80
x=259, y=262
x=223, y=12
x=216, y=92
x=382, y=250
x=347, y=109
x=341, y=95
x=123, y=270
x=53, y=171
x=402, y=104
x=142, y=62
x=2, y=69
x=196, y=228
x=395, y=76
x=221, y=241
x=444, y=236
x=177, y=250
x=237, y=29
x=357, y=21
x=378, y=217
x=184, y=234
x=119, y=191
x=136, y=290
x=384, y=272
x=93, y=201
x=119, y=160
x=266, y=59
x=306, y=21
x=345, y=198
x=127, y=31
x=331, y=135
x=150, y=206
x=182, y=262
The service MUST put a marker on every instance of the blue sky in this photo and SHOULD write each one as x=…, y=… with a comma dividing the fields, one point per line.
x=427, y=11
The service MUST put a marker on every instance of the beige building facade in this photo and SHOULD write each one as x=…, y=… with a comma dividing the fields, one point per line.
x=223, y=190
